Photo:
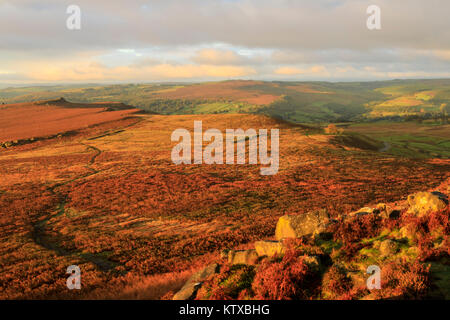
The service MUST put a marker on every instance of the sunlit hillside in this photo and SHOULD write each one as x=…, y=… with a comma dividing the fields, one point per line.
x=294, y=101
x=109, y=199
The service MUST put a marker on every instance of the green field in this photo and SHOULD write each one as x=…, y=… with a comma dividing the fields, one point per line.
x=408, y=139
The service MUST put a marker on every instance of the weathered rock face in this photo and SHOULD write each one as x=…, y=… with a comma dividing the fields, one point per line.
x=188, y=292
x=422, y=203
x=242, y=257
x=269, y=248
x=296, y=226
x=194, y=283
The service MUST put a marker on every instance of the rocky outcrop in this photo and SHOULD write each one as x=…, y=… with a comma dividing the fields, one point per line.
x=269, y=248
x=296, y=226
x=384, y=210
x=322, y=253
x=422, y=203
x=190, y=288
x=242, y=256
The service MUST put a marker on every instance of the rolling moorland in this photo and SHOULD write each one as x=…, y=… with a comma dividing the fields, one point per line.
x=376, y=109
x=93, y=185
x=293, y=101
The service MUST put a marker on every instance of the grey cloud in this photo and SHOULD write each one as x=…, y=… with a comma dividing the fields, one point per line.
x=415, y=34
x=320, y=24
x=353, y=56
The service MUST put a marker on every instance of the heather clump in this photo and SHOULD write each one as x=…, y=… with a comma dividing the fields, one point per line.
x=342, y=259
x=293, y=277
x=336, y=283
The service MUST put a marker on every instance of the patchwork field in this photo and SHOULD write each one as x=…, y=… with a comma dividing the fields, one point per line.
x=300, y=102
x=408, y=139
x=228, y=90
x=109, y=199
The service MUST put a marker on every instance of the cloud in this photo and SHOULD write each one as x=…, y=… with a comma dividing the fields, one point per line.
x=128, y=40
x=93, y=71
x=289, y=71
x=442, y=54
x=217, y=57
x=319, y=24
x=168, y=71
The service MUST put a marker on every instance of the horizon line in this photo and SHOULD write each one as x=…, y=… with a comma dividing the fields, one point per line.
x=45, y=84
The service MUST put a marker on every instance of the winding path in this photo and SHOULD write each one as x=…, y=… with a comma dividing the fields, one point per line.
x=42, y=238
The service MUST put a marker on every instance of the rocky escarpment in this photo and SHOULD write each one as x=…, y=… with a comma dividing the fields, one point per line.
x=315, y=257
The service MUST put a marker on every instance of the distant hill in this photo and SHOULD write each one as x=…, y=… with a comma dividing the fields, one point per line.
x=300, y=102
x=25, y=122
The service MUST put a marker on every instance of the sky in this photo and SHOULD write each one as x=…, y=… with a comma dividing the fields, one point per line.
x=208, y=40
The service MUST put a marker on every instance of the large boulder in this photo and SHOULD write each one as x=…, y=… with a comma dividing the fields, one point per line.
x=188, y=292
x=190, y=288
x=422, y=203
x=296, y=226
x=242, y=256
x=269, y=248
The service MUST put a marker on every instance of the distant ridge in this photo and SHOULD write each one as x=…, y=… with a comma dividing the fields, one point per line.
x=22, y=123
x=62, y=102
x=295, y=101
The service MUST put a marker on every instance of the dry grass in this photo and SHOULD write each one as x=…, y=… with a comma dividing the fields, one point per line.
x=153, y=287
